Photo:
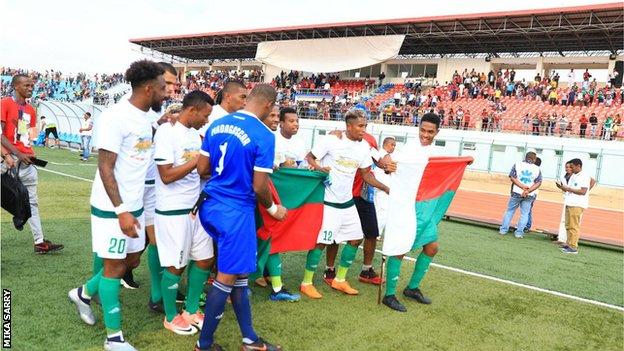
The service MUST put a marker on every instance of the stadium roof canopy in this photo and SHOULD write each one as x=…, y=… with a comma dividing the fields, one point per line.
x=581, y=29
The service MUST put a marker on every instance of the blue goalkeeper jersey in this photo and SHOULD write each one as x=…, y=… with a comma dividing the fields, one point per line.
x=237, y=144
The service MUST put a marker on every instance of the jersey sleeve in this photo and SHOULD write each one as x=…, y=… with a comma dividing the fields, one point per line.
x=265, y=154
x=110, y=134
x=205, y=150
x=323, y=146
x=367, y=161
x=163, y=147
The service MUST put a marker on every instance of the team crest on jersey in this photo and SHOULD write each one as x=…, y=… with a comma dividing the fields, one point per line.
x=189, y=154
x=347, y=163
x=143, y=144
x=142, y=147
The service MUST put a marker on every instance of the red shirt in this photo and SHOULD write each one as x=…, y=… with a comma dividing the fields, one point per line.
x=358, y=183
x=18, y=119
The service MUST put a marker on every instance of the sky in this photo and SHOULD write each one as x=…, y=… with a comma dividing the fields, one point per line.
x=92, y=36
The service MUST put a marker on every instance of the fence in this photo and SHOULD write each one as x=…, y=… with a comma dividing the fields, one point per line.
x=496, y=153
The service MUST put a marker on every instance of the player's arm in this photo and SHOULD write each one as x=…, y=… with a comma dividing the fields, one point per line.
x=592, y=183
x=314, y=165
x=106, y=167
x=581, y=191
x=169, y=173
x=203, y=166
x=263, y=194
x=370, y=179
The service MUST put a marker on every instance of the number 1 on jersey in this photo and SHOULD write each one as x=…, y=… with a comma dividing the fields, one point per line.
x=223, y=149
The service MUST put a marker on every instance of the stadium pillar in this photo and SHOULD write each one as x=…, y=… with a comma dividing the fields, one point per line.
x=611, y=66
x=539, y=66
x=239, y=64
x=182, y=73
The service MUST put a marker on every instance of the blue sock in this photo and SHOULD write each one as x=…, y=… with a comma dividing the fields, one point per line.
x=242, y=308
x=215, y=305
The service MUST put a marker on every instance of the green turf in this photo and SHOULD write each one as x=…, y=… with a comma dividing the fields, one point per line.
x=468, y=313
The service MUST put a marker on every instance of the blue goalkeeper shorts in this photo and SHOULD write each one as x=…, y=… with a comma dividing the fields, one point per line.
x=234, y=231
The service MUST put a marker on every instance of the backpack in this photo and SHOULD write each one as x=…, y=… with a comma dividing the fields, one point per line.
x=15, y=197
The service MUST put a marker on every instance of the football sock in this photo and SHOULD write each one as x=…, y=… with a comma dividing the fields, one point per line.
x=274, y=265
x=156, y=271
x=312, y=261
x=264, y=247
x=98, y=263
x=242, y=308
x=346, y=259
x=111, y=308
x=197, y=277
x=421, y=267
x=366, y=267
x=92, y=285
x=169, y=288
x=115, y=337
x=215, y=305
x=393, y=268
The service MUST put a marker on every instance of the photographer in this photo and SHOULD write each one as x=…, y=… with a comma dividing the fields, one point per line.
x=19, y=119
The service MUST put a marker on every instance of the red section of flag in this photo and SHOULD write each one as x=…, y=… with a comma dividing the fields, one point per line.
x=298, y=232
x=441, y=175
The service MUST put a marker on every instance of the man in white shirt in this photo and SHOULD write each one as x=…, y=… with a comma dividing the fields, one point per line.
x=85, y=135
x=178, y=235
x=526, y=178
x=290, y=150
x=341, y=158
x=117, y=221
x=230, y=99
x=576, y=201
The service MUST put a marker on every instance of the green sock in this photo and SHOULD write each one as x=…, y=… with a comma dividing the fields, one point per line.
x=393, y=269
x=92, y=285
x=421, y=267
x=98, y=263
x=155, y=270
x=111, y=308
x=169, y=286
x=312, y=261
x=264, y=246
x=274, y=266
x=197, y=277
x=346, y=259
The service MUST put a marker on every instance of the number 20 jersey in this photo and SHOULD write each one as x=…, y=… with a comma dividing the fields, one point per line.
x=237, y=144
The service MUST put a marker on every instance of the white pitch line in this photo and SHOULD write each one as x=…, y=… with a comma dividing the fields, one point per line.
x=457, y=270
x=72, y=164
x=66, y=175
x=526, y=286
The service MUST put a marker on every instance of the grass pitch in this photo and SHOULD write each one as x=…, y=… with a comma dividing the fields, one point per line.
x=468, y=313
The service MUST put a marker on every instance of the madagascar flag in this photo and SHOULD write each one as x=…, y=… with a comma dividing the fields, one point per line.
x=437, y=188
x=421, y=191
x=301, y=192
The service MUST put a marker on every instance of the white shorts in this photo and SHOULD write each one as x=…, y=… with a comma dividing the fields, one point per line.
x=339, y=225
x=149, y=204
x=181, y=239
x=108, y=241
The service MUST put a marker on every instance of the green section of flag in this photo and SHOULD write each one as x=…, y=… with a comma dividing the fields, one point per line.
x=429, y=213
x=297, y=187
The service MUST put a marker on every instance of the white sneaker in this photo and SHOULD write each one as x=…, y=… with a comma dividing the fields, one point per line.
x=179, y=326
x=118, y=346
x=84, y=309
x=196, y=319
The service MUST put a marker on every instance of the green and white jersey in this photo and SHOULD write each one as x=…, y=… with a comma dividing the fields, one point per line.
x=125, y=130
x=344, y=157
x=176, y=145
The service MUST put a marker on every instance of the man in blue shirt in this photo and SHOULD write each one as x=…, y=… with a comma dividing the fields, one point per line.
x=237, y=153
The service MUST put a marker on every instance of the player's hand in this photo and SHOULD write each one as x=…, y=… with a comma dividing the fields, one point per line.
x=280, y=214
x=167, y=117
x=129, y=224
x=289, y=163
x=525, y=193
x=386, y=190
x=23, y=158
x=336, y=133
